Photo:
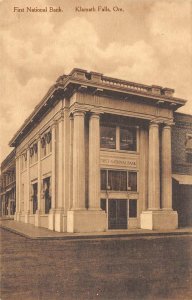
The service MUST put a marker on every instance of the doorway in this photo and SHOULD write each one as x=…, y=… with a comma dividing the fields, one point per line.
x=117, y=214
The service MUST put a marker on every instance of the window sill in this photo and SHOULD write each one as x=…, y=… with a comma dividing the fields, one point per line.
x=33, y=164
x=119, y=151
x=44, y=157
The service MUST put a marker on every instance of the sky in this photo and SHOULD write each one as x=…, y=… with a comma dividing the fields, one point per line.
x=149, y=42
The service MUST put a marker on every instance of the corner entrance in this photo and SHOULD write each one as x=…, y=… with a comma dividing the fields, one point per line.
x=117, y=214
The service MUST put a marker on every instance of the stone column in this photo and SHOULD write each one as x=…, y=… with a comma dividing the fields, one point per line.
x=80, y=219
x=79, y=161
x=51, y=217
x=59, y=210
x=154, y=168
x=39, y=204
x=27, y=189
x=60, y=163
x=16, y=217
x=94, y=161
x=71, y=164
x=66, y=165
x=166, y=179
x=156, y=218
x=53, y=166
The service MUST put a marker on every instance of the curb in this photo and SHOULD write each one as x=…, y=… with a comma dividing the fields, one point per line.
x=98, y=236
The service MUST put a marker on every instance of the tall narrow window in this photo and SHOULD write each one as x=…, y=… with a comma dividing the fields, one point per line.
x=47, y=194
x=132, y=208
x=34, y=197
x=128, y=139
x=132, y=181
x=108, y=137
x=103, y=179
x=103, y=204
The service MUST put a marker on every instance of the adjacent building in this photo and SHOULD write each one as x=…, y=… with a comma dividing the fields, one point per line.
x=182, y=168
x=8, y=186
x=95, y=155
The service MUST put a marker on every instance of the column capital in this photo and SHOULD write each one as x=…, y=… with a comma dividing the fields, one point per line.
x=78, y=109
x=154, y=123
x=53, y=124
x=78, y=112
x=60, y=117
x=95, y=113
x=168, y=124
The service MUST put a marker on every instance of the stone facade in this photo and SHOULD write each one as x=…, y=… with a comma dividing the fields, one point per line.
x=96, y=155
x=8, y=186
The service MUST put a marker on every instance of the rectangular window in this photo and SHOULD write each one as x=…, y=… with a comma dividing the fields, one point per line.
x=103, y=205
x=108, y=137
x=46, y=144
x=189, y=157
x=188, y=147
x=132, y=181
x=117, y=180
x=103, y=179
x=47, y=194
x=128, y=139
x=133, y=208
x=33, y=153
x=34, y=197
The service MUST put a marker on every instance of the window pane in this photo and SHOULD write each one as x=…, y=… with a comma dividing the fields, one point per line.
x=108, y=137
x=132, y=181
x=128, y=139
x=103, y=204
x=103, y=179
x=117, y=180
x=132, y=208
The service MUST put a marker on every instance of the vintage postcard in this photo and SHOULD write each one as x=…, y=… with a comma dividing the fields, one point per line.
x=96, y=149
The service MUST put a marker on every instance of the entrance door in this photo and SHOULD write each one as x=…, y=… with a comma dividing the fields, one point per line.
x=117, y=214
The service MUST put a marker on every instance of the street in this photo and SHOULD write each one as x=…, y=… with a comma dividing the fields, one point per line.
x=119, y=268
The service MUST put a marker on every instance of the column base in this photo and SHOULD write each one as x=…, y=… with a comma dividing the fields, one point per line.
x=51, y=219
x=17, y=216
x=27, y=216
x=159, y=219
x=37, y=218
x=59, y=220
x=86, y=221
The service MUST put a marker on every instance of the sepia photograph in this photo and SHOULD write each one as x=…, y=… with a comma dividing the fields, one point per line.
x=96, y=150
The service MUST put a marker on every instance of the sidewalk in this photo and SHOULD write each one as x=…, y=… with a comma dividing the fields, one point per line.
x=32, y=232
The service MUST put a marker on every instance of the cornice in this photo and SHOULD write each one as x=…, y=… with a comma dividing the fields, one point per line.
x=96, y=84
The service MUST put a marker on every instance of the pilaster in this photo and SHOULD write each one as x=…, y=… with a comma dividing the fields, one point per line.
x=39, y=199
x=51, y=216
x=27, y=190
x=59, y=209
x=79, y=161
x=94, y=161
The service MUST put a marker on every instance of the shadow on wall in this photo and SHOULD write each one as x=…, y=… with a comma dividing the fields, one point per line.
x=182, y=203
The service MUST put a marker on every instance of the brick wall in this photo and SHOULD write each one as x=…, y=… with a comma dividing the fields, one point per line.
x=183, y=126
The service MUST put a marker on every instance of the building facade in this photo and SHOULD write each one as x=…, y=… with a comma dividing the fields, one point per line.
x=8, y=186
x=95, y=155
x=182, y=168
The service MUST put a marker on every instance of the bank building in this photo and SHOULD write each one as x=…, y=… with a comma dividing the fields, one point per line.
x=95, y=155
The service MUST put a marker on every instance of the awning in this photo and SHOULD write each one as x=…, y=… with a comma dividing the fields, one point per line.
x=183, y=179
